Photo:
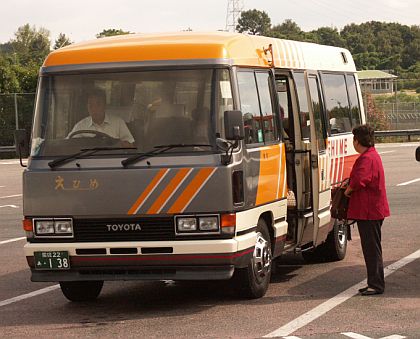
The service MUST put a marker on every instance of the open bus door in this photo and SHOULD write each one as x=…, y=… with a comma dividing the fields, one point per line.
x=319, y=160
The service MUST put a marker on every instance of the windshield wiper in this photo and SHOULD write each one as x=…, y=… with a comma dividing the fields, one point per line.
x=83, y=152
x=158, y=150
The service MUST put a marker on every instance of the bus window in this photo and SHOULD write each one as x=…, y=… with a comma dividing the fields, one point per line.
x=268, y=115
x=250, y=107
x=303, y=105
x=316, y=106
x=284, y=103
x=336, y=103
x=354, y=101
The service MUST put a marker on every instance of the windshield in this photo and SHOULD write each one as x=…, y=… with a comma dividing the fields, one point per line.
x=131, y=111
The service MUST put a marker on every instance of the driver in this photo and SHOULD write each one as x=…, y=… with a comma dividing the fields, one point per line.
x=99, y=120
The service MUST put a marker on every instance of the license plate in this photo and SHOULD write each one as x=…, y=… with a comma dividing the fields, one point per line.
x=53, y=260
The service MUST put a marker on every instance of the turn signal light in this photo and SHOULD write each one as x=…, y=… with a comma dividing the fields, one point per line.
x=228, y=223
x=27, y=225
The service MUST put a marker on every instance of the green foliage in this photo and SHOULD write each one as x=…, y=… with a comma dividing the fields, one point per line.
x=254, y=22
x=375, y=117
x=62, y=41
x=287, y=30
x=111, y=32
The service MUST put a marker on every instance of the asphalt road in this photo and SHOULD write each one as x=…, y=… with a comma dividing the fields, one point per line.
x=302, y=299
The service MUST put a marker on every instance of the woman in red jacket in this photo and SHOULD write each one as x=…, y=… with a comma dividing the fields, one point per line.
x=368, y=205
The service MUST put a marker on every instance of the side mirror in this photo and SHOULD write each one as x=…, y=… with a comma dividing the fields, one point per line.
x=418, y=153
x=21, y=143
x=234, y=125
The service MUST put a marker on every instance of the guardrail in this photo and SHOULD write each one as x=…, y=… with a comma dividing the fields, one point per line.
x=398, y=133
x=7, y=149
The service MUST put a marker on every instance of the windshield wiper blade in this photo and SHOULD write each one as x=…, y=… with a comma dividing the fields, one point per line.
x=82, y=152
x=158, y=150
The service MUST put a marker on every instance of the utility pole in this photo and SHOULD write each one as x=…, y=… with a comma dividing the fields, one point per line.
x=234, y=9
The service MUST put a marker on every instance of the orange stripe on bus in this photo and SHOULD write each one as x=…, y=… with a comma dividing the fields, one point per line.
x=269, y=171
x=147, y=191
x=283, y=171
x=169, y=189
x=192, y=189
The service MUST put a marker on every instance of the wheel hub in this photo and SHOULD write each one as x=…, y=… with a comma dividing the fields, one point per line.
x=261, y=260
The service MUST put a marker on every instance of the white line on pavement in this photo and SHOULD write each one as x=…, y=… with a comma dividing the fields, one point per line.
x=28, y=295
x=328, y=305
x=355, y=335
x=11, y=240
x=394, y=336
x=11, y=206
x=409, y=182
x=385, y=152
x=11, y=196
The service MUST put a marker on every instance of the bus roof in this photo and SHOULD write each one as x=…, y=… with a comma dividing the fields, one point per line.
x=217, y=47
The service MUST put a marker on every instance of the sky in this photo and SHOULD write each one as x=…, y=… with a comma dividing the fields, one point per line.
x=82, y=19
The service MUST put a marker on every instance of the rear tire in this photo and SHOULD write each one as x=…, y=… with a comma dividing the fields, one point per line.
x=253, y=280
x=81, y=290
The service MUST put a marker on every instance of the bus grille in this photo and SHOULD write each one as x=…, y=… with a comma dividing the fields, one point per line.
x=97, y=230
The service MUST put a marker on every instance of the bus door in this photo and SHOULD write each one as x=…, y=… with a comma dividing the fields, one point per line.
x=319, y=159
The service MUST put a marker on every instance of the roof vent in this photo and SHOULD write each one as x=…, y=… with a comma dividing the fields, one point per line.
x=344, y=57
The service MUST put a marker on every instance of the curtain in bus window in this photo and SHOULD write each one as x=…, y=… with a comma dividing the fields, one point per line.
x=303, y=105
x=354, y=102
x=268, y=116
x=316, y=106
x=337, y=103
x=250, y=108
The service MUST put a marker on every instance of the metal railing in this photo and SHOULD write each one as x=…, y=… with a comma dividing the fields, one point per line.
x=398, y=133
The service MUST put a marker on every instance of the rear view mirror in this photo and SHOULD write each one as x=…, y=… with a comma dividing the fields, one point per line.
x=234, y=125
x=418, y=153
x=21, y=143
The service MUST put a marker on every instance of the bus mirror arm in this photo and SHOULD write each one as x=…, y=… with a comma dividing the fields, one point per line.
x=227, y=147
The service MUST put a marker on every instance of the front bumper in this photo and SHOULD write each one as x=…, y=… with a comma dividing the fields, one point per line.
x=183, y=260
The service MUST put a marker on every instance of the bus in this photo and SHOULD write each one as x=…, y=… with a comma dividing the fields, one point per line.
x=186, y=156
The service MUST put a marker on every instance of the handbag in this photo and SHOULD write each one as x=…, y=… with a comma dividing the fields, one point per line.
x=339, y=203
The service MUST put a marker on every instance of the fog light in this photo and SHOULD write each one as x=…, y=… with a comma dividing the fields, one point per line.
x=63, y=227
x=186, y=224
x=208, y=223
x=43, y=227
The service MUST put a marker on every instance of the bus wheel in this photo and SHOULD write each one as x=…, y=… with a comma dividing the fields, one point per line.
x=81, y=290
x=253, y=281
x=335, y=247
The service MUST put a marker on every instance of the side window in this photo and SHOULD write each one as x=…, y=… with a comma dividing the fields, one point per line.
x=268, y=117
x=317, y=109
x=303, y=105
x=250, y=107
x=282, y=89
x=354, y=100
x=336, y=103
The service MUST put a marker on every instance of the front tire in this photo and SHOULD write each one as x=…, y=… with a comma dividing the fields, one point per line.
x=335, y=246
x=81, y=290
x=253, y=280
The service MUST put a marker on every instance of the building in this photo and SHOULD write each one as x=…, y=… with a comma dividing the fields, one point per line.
x=376, y=82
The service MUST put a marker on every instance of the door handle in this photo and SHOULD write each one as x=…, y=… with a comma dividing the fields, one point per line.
x=314, y=160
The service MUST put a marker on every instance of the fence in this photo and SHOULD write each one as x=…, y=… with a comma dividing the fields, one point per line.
x=401, y=115
x=15, y=112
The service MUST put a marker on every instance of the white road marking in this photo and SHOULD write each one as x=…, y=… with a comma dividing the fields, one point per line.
x=11, y=196
x=394, y=336
x=409, y=182
x=11, y=206
x=28, y=295
x=385, y=152
x=355, y=335
x=11, y=240
x=292, y=337
x=328, y=305
x=2, y=186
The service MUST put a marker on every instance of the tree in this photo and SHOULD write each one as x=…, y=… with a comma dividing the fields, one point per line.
x=111, y=32
x=31, y=44
x=288, y=30
x=254, y=22
x=328, y=36
x=62, y=41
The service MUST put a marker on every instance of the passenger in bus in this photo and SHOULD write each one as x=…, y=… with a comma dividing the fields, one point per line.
x=99, y=120
x=368, y=205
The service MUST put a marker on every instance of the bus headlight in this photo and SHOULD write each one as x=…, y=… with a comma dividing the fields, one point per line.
x=188, y=224
x=44, y=227
x=63, y=227
x=208, y=223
